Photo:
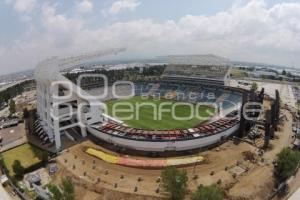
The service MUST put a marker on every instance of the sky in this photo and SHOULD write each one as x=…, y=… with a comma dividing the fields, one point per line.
x=265, y=31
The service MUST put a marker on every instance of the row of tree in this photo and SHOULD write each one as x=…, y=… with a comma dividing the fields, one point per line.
x=12, y=107
x=15, y=90
x=115, y=75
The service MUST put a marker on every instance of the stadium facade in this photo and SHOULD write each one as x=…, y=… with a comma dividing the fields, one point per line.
x=202, y=69
x=64, y=108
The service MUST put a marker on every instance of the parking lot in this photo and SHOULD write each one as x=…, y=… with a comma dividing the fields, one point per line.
x=12, y=136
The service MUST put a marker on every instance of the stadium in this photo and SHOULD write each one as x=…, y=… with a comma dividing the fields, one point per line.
x=190, y=86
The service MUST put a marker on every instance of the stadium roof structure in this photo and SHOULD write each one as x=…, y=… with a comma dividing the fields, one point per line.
x=209, y=69
x=200, y=60
x=48, y=70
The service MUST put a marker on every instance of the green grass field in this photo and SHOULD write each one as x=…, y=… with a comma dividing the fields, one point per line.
x=238, y=73
x=144, y=115
x=27, y=154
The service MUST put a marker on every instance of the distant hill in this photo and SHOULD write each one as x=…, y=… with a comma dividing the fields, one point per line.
x=29, y=74
x=18, y=76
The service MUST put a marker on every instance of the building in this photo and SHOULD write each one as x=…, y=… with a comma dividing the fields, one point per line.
x=64, y=108
x=58, y=100
x=259, y=73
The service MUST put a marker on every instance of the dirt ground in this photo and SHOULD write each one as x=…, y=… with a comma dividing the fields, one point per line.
x=258, y=183
x=240, y=179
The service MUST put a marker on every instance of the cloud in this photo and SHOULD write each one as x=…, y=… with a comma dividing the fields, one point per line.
x=24, y=8
x=84, y=6
x=253, y=32
x=8, y=1
x=122, y=5
x=54, y=21
x=60, y=28
x=24, y=5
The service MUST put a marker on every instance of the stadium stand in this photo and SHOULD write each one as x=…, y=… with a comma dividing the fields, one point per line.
x=119, y=130
x=205, y=69
x=178, y=139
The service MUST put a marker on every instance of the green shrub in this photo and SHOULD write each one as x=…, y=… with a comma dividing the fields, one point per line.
x=211, y=192
x=68, y=188
x=287, y=163
x=56, y=193
x=18, y=168
x=67, y=192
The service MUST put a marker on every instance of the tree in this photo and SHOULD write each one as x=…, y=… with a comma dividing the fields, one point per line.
x=67, y=192
x=175, y=182
x=26, y=116
x=254, y=86
x=44, y=156
x=288, y=74
x=18, y=168
x=56, y=194
x=12, y=106
x=26, y=113
x=287, y=162
x=68, y=189
x=283, y=72
x=211, y=192
x=298, y=104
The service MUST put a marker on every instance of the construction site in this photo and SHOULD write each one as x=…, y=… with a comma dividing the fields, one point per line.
x=240, y=167
x=97, y=179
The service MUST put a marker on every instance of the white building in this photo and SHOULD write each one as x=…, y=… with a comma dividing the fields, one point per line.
x=63, y=106
x=58, y=99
